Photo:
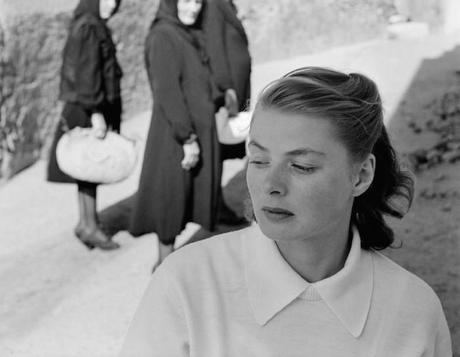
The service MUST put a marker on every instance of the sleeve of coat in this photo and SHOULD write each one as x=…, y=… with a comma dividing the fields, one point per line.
x=158, y=328
x=88, y=71
x=164, y=70
x=214, y=26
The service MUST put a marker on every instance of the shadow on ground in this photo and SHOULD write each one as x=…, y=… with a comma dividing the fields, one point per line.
x=425, y=130
x=115, y=218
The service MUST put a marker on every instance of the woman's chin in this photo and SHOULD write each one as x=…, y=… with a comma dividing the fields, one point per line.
x=276, y=229
x=188, y=21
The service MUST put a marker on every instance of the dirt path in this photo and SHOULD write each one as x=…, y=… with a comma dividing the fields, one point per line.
x=59, y=299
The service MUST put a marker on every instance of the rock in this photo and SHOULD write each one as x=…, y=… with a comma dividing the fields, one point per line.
x=440, y=178
x=419, y=159
x=451, y=156
x=441, y=146
x=429, y=123
x=428, y=193
x=432, y=155
x=414, y=126
x=453, y=145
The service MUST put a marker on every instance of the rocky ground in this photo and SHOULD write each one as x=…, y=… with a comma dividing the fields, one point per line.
x=59, y=299
x=426, y=131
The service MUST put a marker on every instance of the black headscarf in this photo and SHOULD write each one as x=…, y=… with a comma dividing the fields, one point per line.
x=229, y=11
x=167, y=12
x=91, y=7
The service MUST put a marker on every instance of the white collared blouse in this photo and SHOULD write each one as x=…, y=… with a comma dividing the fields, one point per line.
x=235, y=295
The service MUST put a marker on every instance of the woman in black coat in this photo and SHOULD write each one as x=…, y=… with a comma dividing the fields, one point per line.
x=90, y=88
x=181, y=173
x=227, y=46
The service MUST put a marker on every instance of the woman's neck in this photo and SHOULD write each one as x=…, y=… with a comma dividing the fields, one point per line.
x=317, y=258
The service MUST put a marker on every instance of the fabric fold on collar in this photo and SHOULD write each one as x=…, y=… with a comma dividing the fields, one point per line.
x=273, y=284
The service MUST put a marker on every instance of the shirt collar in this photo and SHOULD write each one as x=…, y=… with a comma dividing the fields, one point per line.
x=273, y=284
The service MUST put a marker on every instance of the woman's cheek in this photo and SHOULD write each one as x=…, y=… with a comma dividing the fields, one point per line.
x=334, y=192
x=250, y=180
x=254, y=181
x=317, y=189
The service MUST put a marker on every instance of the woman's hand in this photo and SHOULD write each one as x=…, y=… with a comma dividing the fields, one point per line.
x=191, y=155
x=231, y=102
x=99, y=126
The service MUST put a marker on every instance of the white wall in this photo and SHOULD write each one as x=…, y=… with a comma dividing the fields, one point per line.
x=451, y=9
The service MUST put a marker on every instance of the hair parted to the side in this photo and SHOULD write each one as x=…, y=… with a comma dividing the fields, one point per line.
x=352, y=102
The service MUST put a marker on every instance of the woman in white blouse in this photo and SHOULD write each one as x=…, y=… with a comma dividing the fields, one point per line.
x=306, y=279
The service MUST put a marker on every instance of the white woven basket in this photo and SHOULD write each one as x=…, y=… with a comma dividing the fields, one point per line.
x=84, y=157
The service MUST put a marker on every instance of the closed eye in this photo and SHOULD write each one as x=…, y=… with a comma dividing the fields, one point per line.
x=304, y=169
x=258, y=162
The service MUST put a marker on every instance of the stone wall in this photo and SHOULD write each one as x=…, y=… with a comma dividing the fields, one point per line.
x=30, y=50
x=29, y=74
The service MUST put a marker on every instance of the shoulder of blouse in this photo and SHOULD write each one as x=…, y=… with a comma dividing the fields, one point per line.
x=200, y=254
x=395, y=275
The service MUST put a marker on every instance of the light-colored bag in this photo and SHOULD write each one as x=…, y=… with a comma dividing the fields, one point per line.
x=84, y=157
x=232, y=130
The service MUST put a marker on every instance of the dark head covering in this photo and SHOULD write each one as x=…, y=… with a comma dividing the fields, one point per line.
x=91, y=7
x=229, y=10
x=167, y=12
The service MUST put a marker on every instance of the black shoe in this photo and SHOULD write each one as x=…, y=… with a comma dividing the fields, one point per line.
x=95, y=239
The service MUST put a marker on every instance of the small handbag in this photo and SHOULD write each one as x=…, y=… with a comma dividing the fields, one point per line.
x=84, y=157
x=232, y=129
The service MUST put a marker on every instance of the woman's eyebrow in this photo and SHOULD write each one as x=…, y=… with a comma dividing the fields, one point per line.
x=257, y=145
x=304, y=151
x=295, y=152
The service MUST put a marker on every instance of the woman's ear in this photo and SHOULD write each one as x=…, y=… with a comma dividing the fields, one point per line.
x=365, y=175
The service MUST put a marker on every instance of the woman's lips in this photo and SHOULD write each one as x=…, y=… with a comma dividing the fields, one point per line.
x=276, y=214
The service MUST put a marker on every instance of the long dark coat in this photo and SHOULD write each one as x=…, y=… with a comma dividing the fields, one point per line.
x=227, y=46
x=169, y=196
x=90, y=78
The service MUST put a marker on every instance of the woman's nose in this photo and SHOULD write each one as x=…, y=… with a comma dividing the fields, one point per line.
x=275, y=181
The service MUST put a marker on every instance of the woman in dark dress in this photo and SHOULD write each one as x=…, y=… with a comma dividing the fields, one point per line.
x=227, y=46
x=181, y=173
x=90, y=88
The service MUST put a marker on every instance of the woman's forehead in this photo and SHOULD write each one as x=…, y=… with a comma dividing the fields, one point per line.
x=293, y=130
